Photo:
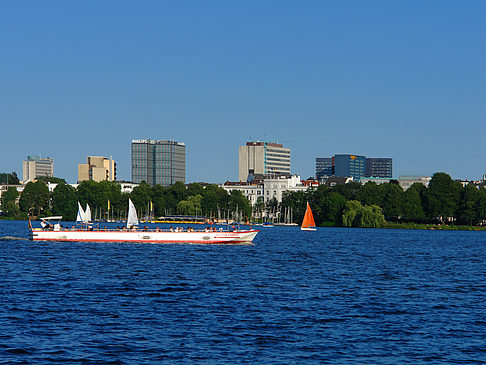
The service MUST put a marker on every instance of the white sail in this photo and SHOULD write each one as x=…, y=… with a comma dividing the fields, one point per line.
x=88, y=213
x=81, y=214
x=132, y=219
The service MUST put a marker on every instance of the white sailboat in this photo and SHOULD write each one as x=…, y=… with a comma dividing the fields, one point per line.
x=81, y=217
x=84, y=216
x=132, y=220
x=88, y=213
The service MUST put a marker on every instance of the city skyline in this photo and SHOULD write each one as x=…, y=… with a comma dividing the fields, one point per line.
x=401, y=79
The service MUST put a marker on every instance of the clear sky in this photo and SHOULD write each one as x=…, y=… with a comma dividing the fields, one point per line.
x=400, y=79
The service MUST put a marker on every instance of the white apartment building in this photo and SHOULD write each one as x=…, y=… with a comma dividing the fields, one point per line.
x=407, y=181
x=268, y=189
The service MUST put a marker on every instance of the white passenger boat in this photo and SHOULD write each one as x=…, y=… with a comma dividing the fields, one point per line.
x=55, y=232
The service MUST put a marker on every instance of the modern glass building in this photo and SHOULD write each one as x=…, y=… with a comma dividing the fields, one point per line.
x=324, y=168
x=350, y=166
x=379, y=167
x=158, y=162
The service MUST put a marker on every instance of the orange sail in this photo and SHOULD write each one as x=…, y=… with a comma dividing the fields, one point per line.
x=308, y=219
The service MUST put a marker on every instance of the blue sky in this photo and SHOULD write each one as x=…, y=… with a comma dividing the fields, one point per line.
x=400, y=79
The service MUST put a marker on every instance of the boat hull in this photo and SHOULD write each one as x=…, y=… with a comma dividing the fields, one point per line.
x=217, y=237
x=308, y=228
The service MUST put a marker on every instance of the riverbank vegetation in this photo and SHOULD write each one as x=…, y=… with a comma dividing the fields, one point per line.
x=444, y=204
x=107, y=201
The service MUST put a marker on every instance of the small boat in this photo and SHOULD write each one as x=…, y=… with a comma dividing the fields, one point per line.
x=308, y=224
x=267, y=224
x=130, y=233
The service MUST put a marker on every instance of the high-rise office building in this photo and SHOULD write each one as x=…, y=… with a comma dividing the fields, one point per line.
x=36, y=166
x=350, y=166
x=324, y=168
x=379, y=167
x=263, y=158
x=97, y=169
x=158, y=162
x=354, y=166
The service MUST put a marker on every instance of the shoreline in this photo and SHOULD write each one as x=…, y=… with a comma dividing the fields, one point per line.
x=418, y=226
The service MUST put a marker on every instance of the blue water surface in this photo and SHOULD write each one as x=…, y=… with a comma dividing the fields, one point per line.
x=335, y=296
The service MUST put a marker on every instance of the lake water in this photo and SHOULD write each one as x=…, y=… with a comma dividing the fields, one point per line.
x=336, y=296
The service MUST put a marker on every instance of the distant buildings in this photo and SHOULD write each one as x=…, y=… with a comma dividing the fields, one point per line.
x=158, y=162
x=267, y=189
x=263, y=158
x=97, y=169
x=350, y=166
x=407, y=181
x=324, y=168
x=355, y=166
x=36, y=166
x=379, y=167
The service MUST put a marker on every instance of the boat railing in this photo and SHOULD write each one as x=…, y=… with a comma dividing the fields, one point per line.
x=143, y=229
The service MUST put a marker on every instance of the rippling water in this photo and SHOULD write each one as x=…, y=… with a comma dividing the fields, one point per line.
x=335, y=296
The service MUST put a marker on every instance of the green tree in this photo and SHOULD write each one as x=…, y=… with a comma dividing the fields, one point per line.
x=372, y=217
x=35, y=199
x=297, y=201
x=370, y=194
x=412, y=209
x=64, y=201
x=209, y=202
x=178, y=190
x=158, y=197
x=351, y=212
x=190, y=206
x=348, y=190
x=142, y=196
x=239, y=203
x=332, y=207
x=195, y=189
x=356, y=215
x=392, y=201
x=441, y=197
x=9, y=205
x=467, y=212
x=481, y=205
x=9, y=179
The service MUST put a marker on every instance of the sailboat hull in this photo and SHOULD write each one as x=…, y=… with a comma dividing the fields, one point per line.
x=199, y=237
x=308, y=228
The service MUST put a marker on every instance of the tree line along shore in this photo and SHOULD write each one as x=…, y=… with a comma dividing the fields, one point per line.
x=443, y=204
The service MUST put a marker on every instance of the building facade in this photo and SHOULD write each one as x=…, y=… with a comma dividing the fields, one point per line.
x=357, y=167
x=324, y=168
x=268, y=189
x=97, y=169
x=158, y=162
x=379, y=167
x=36, y=166
x=263, y=158
x=350, y=166
x=407, y=181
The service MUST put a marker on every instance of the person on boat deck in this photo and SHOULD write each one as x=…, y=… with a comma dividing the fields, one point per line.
x=171, y=229
x=134, y=228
